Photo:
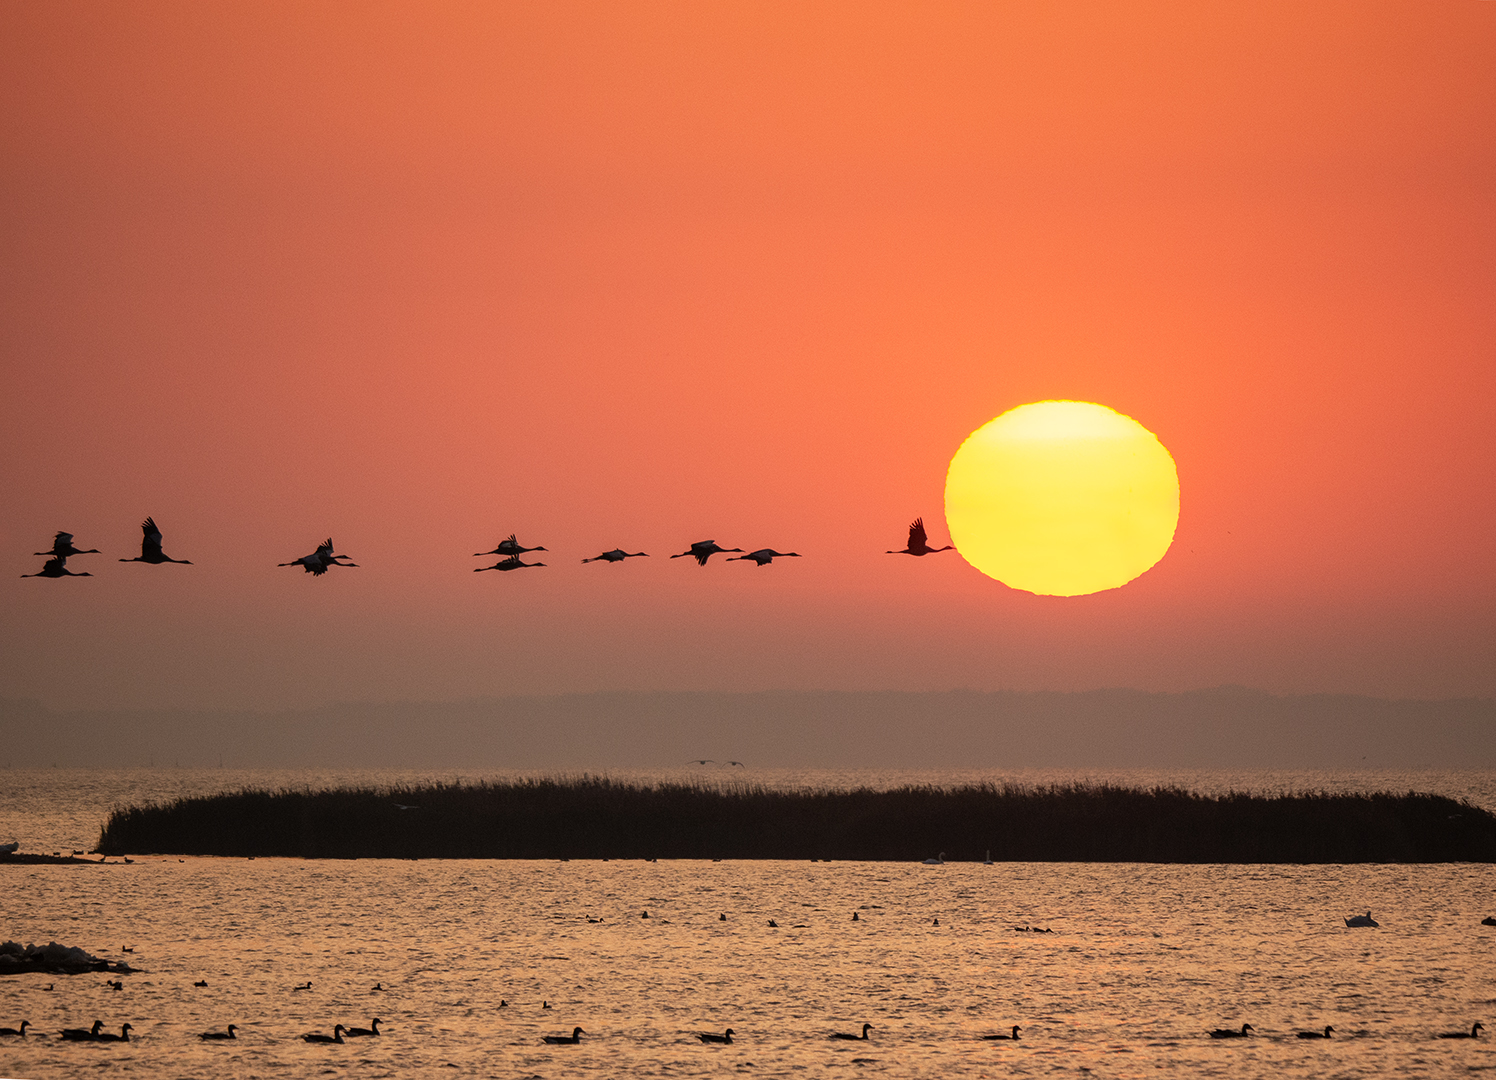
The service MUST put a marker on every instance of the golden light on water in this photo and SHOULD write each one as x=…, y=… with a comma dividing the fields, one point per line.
x=1062, y=498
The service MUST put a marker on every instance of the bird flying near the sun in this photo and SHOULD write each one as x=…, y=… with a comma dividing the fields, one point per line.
x=617, y=555
x=919, y=541
x=56, y=566
x=508, y=547
x=703, y=550
x=764, y=556
x=320, y=560
x=511, y=563
x=62, y=548
x=150, y=546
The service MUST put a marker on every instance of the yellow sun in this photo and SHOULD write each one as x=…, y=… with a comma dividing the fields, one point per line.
x=1062, y=498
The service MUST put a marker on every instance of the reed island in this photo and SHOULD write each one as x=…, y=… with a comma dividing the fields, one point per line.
x=600, y=818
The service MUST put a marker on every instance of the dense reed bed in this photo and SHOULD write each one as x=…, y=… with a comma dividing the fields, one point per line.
x=591, y=818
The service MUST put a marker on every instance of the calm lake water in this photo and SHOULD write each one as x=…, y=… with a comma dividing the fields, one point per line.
x=1143, y=959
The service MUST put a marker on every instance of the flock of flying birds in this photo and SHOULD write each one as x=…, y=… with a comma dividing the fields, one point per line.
x=324, y=558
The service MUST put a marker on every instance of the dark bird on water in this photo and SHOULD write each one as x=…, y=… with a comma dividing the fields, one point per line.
x=335, y=1037
x=320, y=560
x=62, y=547
x=201, y=982
x=919, y=541
x=853, y=1038
x=725, y=1037
x=372, y=1029
x=82, y=1034
x=214, y=1036
x=1232, y=1033
x=703, y=550
x=1362, y=920
x=1489, y=920
x=57, y=566
x=764, y=556
x=304, y=986
x=1325, y=1034
x=1474, y=1032
x=150, y=546
x=377, y=988
x=508, y=547
x=1011, y=1036
x=21, y=1031
x=564, y=1040
x=617, y=555
x=511, y=563
x=123, y=1036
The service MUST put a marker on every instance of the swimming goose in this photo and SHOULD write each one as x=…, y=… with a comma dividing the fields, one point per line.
x=1012, y=1036
x=123, y=1036
x=1317, y=1034
x=1232, y=1033
x=82, y=1034
x=725, y=1037
x=304, y=986
x=1362, y=920
x=372, y=1029
x=703, y=550
x=564, y=1040
x=919, y=541
x=617, y=555
x=764, y=556
x=211, y=1036
x=21, y=1031
x=335, y=1037
x=1474, y=1032
x=853, y=1038
x=150, y=547
x=201, y=982
x=939, y=860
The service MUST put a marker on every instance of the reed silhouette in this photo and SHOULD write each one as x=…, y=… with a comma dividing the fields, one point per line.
x=591, y=817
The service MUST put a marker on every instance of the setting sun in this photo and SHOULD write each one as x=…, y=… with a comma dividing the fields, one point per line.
x=1062, y=498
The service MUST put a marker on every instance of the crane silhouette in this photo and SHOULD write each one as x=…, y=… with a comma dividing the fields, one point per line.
x=511, y=563
x=56, y=566
x=919, y=542
x=703, y=550
x=62, y=547
x=320, y=560
x=617, y=555
x=150, y=546
x=508, y=547
x=764, y=556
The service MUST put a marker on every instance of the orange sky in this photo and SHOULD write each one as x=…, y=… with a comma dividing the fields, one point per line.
x=417, y=275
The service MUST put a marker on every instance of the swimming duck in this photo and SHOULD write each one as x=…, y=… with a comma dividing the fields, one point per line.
x=123, y=1036
x=1474, y=1032
x=1317, y=1034
x=212, y=1036
x=564, y=1040
x=1232, y=1033
x=21, y=1031
x=1362, y=920
x=854, y=1038
x=335, y=1037
x=1012, y=1036
x=1489, y=920
x=725, y=1037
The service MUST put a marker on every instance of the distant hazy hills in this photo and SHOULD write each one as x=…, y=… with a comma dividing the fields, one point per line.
x=1227, y=727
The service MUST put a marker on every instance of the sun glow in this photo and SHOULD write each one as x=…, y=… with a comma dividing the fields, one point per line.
x=1062, y=498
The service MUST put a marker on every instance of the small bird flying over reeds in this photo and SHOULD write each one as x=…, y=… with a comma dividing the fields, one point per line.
x=764, y=556
x=919, y=541
x=150, y=546
x=703, y=550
